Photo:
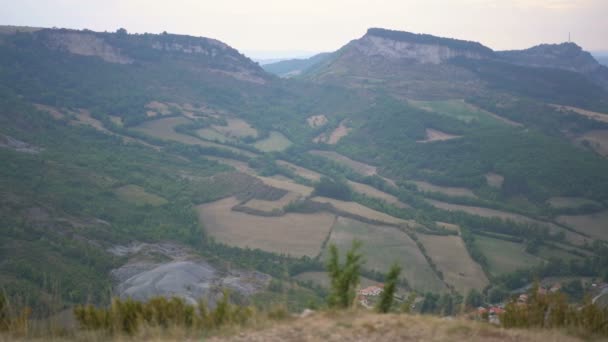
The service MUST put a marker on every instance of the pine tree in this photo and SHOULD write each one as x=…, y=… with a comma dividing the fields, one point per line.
x=390, y=286
x=344, y=278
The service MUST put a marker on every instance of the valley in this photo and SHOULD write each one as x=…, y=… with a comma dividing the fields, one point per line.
x=434, y=160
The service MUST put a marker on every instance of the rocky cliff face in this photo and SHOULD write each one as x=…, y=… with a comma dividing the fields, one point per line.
x=86, y=44
x=201, y=53
x=419, y=48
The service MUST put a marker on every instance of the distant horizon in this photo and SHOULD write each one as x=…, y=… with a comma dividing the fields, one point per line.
x=315, y=25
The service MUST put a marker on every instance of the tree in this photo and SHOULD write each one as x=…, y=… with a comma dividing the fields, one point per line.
x=390, y=285
x=333, y=188
x=344, y=278
x=429, y=304
x=474, y=299
x=446, y=303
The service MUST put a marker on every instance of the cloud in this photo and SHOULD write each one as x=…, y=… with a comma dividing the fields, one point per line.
x=533, y=4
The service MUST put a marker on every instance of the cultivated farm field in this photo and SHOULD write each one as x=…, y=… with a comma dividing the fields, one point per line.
x=487, y=212
x=373, y=192
x=505, y=256
x=453, y=260
x=293, y=233
x=450, y=191
x=596, y=225
x=360, y=210
x=382, y=246
x=359, y=167
x=276, y=141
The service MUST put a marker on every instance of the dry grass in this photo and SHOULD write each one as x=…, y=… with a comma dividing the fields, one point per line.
x=361, y=168
x=362, y=325
x=446, y=190
x=359, y=210
x=382, y=246
x=435, y=135
x=494, y=179
x=316, y=121
x=487, y=212
x=453, y=260
x=373, y=192
x=294, y=234
x=596, y=225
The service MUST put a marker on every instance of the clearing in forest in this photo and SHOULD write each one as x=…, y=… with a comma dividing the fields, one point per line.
x=597, y=140
x=275, y=142
x=436, y=135
x=494, y=180
x=382, y=246
x=505, y=256
x=236, y=128
x=334, y=137
x=446, y=190
x=596, y=225
x=293, y=233
x=453, y=260
x=461, y=110
x=138, y=196
x=316, y=121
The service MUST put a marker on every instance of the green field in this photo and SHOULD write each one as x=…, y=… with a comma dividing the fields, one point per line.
x=275, y=142
x=460, y=110
x=382, y=246
x=138, y=196
x=504, y=256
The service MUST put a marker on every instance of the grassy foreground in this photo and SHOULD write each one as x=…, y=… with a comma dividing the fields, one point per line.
x=347, y=325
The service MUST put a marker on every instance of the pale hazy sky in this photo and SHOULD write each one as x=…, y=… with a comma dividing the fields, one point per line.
x=325, y=25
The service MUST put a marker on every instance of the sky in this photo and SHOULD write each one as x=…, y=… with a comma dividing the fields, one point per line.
x=286, y=28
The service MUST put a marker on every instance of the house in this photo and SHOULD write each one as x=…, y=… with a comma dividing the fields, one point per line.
x=373, y=290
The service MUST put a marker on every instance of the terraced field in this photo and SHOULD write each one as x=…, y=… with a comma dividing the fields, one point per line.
x=294, y=234
x=300, y=171
x=505, y=256
x=360, y=210
x=453, y=260
x=450, y=191
x=487, y=212
x=383, y=246
x=570, y=202
x=165, y=129
x=272, y=206
x=361, y=168
x=373, y=192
